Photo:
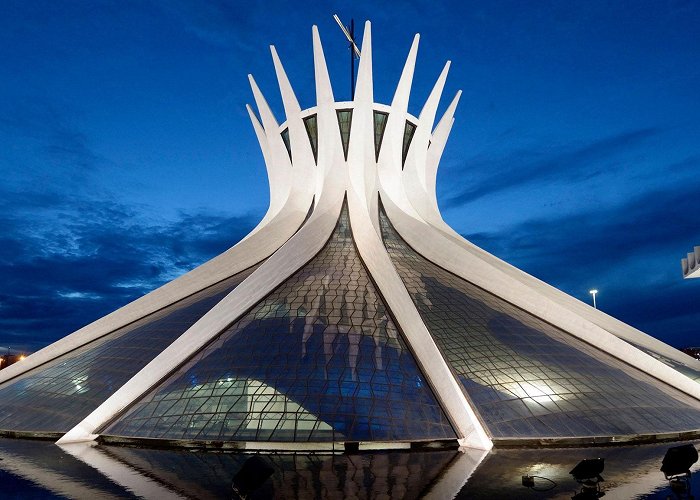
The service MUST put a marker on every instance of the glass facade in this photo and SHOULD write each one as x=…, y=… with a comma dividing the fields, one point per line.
x=56, y=396
x=311, y=125
x=527, y=378
x=344, y=123
x=319, y=359
x=380, y=119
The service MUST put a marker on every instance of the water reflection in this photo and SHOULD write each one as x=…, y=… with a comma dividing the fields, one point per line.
x=37, y=469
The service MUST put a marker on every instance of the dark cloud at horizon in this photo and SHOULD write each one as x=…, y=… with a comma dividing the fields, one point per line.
x=630, y=252
x=99, y=256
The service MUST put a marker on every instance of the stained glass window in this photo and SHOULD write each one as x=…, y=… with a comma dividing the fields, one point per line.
x=319, y=359
x=345, y=122
x=312, y=130
x=380, y=119
x=56, y=396
x=526, y=377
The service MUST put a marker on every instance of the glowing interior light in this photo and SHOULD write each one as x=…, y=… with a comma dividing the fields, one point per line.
x=538, y=392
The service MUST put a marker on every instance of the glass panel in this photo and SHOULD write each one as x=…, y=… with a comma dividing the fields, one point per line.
x=285, y=138
x=318, y=360
x=380, y=119
x=345, y=122
x=56, y=396
x=408, y=132
x=526, y=377
x=312, y=131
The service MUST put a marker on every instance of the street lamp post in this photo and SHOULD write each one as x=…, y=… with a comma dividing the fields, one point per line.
x=593, y=292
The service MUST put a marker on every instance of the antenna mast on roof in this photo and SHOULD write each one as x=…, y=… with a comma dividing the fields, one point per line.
x=349, y=32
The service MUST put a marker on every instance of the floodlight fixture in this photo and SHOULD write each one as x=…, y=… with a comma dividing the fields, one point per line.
x=589, y=468
x=676, y=468
x=678, y=460
x=587, y=474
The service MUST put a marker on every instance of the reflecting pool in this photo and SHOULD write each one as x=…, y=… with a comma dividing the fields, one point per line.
x=40, y=469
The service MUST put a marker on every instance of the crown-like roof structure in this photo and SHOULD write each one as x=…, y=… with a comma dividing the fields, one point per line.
x=353, y=315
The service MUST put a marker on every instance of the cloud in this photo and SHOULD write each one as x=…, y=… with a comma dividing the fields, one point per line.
x=70, y=250
x=64, y=266
x=631, y=252
x=543, y=164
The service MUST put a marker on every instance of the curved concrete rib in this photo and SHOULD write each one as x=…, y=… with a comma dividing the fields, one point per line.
x=330, y=148
x=302, y=155
x=280, y=164
x=276, y=201
x=417, y=153
x=390, y=155
x=361, y=163
x=423, y=186
x=389, y=167
x=446, y=253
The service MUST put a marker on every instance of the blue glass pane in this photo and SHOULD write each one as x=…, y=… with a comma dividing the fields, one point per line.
x=311, y=125
x=345, y=123
x=408, y=132
x=319, y=359
x=56, y=396
x=380, y=119
x=527, y=378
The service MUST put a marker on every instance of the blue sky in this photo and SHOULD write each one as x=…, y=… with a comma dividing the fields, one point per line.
x=127, y=157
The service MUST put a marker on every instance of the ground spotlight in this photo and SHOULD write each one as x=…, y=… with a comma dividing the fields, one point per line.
x=529, y=482
x=254, y=472
x=587, y=474
x=676, y=468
